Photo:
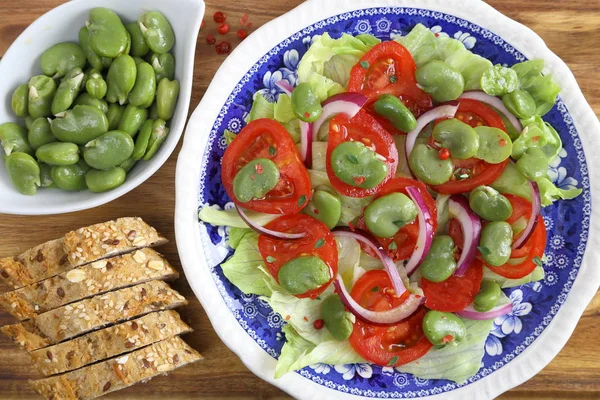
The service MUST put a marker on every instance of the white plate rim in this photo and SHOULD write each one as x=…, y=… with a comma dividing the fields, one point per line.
x=524, y=366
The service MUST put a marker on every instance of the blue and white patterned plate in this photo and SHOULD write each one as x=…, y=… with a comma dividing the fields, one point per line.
x=544, y=313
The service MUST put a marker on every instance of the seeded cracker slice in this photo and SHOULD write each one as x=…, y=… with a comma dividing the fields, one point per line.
x=108, y=342
x=91, y=314
x=118, y=373
x=109, y=239
x=86, y=281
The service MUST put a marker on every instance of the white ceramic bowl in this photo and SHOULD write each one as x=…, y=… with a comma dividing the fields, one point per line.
x=61, y=24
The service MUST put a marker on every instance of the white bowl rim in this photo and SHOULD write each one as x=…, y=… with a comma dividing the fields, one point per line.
x=520, y=369
x=166, y=150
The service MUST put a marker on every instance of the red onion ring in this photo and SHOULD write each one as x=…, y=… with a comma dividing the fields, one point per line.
x=267, y=232
x=496, y=103
x=426, y=231
x=343, y=103
x=386, y=260
x=380, y=318
x=444, y=111
x=471, y=313
x=536, y=208
x=306, y=139
x=458, y=207
x=285, y=86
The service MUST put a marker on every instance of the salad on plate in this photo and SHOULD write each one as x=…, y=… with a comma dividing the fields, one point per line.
x=384, y=201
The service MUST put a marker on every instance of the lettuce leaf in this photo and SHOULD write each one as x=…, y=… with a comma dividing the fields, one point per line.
x=215, y=216
x=282, y=110
x=349, y=260
x=319, y=156
x=454, y=362
x=550, y=193
x=236, y=235
x=511, y=181
x=536, y=275
x=246, y=269
x=229, y=136
x=298, y=352
x=261, y=108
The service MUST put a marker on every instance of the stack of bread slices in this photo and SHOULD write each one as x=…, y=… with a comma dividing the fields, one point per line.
x=95, y=313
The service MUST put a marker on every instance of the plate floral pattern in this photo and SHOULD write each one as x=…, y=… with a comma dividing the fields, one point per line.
x=534, y=304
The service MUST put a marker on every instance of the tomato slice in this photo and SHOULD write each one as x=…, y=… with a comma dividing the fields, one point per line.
x=388, y=68
x=474, y=113
x=362, y=128
x=266, y=138
x=406, y=238
x=319, y=242
x=386, y=345
x=536, y=245
x=456, y=292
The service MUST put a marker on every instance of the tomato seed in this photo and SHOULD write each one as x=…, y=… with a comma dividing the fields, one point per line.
x=244, y=19
x=223, y=29
x=319, y=324
x=223, y=48
x=211, y=39
x=242, y=34
x=219, y=17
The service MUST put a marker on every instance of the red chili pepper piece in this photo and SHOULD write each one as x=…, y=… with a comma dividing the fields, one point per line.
x=211, y=39
x=223, y=48
x=249, y=25
x=319, y=324
x=223, y=29
x=244, y=19
x=444, y=154
x=242, y=34
x=219, y=17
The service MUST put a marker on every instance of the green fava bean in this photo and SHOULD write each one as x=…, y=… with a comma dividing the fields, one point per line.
x=40, y=133
x=440, y=80
x=143, y=92
x=41, y=93
x=305, y=103
x=163, y=65
x=336, y=318
x=387, y=214
x=46, y=176
x=138, y=60
x=142, y=140
x=391, y=108
x=108, y=150
x=120, y=79
x=326, y=207
x=499, y=80
x=114, y=115
x=139, y=47
x=58, y=153
x=426, y=164
x=461, y=139
x=533, y=164
x=132, y=120
x=96, y=85
x=67, y=91
x=153, y=111
x=128, y=164
x=20, y=100
x=84, y=99
x=442, y=328
x=24, y=172
x=80, y=125
x=488, y=296
x=61, y=58
x=84, y=41
x=357, y=165
x=520, y=103
x=103, y=181
x=13, y=138
x=439, y=264
x=71, y=177
x=28, y=122
x=495, y=145
x=157, y=137
x=303, y=274
x=167, y=93
x=157, y=31
x=255, y=180
x=107, y=34
x=489, y=204
x=495, y=244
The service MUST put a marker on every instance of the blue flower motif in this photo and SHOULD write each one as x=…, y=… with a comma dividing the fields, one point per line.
x=561, y=261
x=395, y=34
x=466, y=39
x=387, y=371
x=250, y=310
x=421, y=382
x=274, y=320
x=383, y=25
x=320, y=368
x=438, y=31
x=309, y=40
x=271, y=91
x=511, y=322
x=234, y=125
x=558, y=174
x=291, y=59
x=557, y=242
x=363, y=26
x=548, y=222
x=400, y=380
x=348, y=371
x=493, y=345
x=551, y=278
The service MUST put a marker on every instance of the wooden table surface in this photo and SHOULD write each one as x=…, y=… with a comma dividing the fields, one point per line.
x=569, y=27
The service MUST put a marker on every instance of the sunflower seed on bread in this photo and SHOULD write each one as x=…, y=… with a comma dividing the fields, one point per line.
x=86, y=281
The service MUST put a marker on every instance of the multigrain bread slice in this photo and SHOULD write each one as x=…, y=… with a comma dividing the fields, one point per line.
x=79, y=283
x=39, y=262
x=117, y=373
x=91, y=314
x=109, y=342
x=109, y=239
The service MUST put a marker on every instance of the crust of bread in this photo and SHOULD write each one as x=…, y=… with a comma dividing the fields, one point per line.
x=96, y=278
x=117, y=373
x=26, y=336
x=109, y=342
x=109, y=239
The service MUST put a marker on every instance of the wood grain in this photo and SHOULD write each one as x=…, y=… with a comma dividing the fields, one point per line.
x=570, y=28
